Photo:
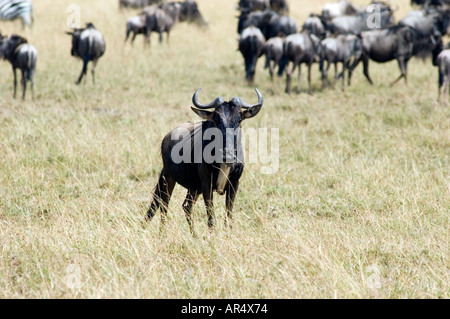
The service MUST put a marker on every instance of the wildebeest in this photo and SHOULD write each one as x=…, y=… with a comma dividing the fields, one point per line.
x=337, y=9
x=88, y=45
x=299, y=48
x=313, y=24
x=363, y=21
x=22, y=56
x=269, y=22
x=189, y=160
x=274, y=52
x=443, y=64
x=158, y=20
x=426, y=23
x=135, y=25
x=251, y=46
x=441, y=59
x=395, y=43
x=341, y=49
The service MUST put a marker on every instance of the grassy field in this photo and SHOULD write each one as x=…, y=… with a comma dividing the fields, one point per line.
x=359, y=207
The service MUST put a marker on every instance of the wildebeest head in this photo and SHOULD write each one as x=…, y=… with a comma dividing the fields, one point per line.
x=226, y=117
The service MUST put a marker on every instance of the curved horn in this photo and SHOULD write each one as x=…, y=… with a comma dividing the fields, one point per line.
x=219, y=100
x=260, y=101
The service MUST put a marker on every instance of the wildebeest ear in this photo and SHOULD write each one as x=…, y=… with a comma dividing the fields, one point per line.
x=206, y=115
x=251, y=111
x=69, y=33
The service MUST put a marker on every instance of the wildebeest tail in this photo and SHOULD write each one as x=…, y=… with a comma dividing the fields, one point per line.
x=31, y=64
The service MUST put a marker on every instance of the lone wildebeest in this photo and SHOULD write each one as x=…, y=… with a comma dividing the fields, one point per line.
x=299, y=48
x=88, y=45
x=189, y=159
x=395, y=43
x=274, y=52
x=341, y=49
x=251, y=46
x=22, y=56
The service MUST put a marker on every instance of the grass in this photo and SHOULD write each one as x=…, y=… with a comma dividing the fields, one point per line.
x=359, y=207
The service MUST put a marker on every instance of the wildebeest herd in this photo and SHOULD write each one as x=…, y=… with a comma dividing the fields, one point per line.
x=340, y=34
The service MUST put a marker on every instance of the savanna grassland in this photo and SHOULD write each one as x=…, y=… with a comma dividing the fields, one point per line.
x=359, y=207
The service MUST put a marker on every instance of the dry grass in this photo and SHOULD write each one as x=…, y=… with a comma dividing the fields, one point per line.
x=359, y=207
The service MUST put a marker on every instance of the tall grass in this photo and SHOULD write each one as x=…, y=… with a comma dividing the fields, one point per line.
x=358, y=208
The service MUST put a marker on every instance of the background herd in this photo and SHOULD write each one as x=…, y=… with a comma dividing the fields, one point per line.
x=341, y=33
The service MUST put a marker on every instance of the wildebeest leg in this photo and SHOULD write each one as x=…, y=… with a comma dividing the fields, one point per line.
x=335, y=73
x=325, y=75
x=365, y=60
x=190, y=200
x=271, y=69
x=208, y=198
x=94, y=64
x=350, y=70
x=14, y=81
x=83, y=70
x=299, y=78
x=161, y=196
x=23, y=83
x=32, y=83
x=309, y=78
x=402, y=64
x=147, y=38
x=166, y=193
x=289, y=78
x=133, y=38
x=231, y=191
x=344, y=66
x=446, y=89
